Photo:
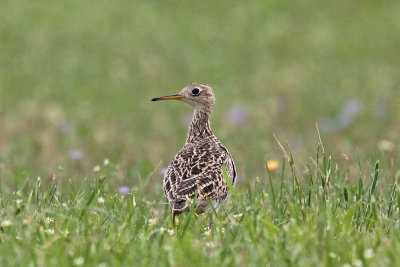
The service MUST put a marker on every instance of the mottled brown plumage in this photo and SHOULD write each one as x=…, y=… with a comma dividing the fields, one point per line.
x=198, y=166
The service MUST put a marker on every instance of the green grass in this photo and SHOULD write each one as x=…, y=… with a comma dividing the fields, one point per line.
x=76, y=81
x=325, y=220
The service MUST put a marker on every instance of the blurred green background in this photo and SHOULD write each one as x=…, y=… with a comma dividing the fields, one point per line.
x=76, y=79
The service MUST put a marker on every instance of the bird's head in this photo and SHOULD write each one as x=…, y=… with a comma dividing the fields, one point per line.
x=199, y=95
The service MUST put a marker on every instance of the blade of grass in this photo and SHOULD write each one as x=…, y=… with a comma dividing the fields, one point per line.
x=94, y=192
x=271, y=184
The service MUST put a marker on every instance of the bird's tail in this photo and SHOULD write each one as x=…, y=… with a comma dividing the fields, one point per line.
x=179, y=206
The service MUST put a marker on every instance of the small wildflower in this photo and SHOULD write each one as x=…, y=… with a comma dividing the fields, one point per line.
x=207, y=233
x=96, y=168
x=6, y=223
x=210, y=244
x=49, y=231
x=285, y=228
x=237, y=215
x=170, y=231
x=272, y=165
x=238, y=114
x=100, y=200
x=357, y=263
x=124, y=190
x=369, y=253
x=162, y=230
x=106, y=162
x=332, y=255
x=78, y=261
x=152, y=222
x=49, y=220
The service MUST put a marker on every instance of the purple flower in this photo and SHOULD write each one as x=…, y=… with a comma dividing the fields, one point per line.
x=124, y=190
x=351, y=108
x=76, y=154
x=238, y=114
x=347, y=116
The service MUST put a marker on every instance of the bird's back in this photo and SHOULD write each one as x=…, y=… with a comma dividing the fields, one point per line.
x=198, y=167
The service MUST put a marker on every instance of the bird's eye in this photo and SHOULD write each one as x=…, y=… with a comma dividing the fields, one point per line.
x=195, y=91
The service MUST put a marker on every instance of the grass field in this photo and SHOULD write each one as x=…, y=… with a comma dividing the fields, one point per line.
x=76, y=81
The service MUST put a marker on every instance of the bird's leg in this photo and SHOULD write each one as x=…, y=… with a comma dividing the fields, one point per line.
x=212, y=220
x=173, y=219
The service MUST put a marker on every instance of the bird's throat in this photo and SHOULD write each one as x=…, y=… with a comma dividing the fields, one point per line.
x=199, y=126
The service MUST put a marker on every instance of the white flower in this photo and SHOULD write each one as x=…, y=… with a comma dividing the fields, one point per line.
x=210, y=244
x=237, y=215
x=369, y=253
x=332, y=255
x=207, y=233
x=162, y=230
x=106, y=162
x=49, y=231
x=79, y=261
x=152, y=222
x=96, y=168
x=49, y=220
x=100, y=200
x=357, y=263
x=170, y=231
x=6, y=223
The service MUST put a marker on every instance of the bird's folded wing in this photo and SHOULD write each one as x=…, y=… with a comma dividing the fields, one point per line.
x=204, y=185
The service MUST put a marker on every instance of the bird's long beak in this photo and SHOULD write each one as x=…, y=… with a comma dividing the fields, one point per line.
x=168, y=97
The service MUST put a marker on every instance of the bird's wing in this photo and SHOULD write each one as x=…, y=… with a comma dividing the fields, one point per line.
x=196, y=168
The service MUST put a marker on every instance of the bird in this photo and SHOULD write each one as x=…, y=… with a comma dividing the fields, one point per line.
x=197, y=169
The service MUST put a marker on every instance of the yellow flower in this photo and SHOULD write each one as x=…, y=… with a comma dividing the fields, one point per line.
x=152, y=222
x=272, y=165
x=6, y=223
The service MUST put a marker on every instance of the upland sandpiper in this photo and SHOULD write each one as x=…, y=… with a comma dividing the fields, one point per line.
x=199, y=164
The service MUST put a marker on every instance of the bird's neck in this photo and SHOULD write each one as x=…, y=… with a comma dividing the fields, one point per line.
x=199, y=128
